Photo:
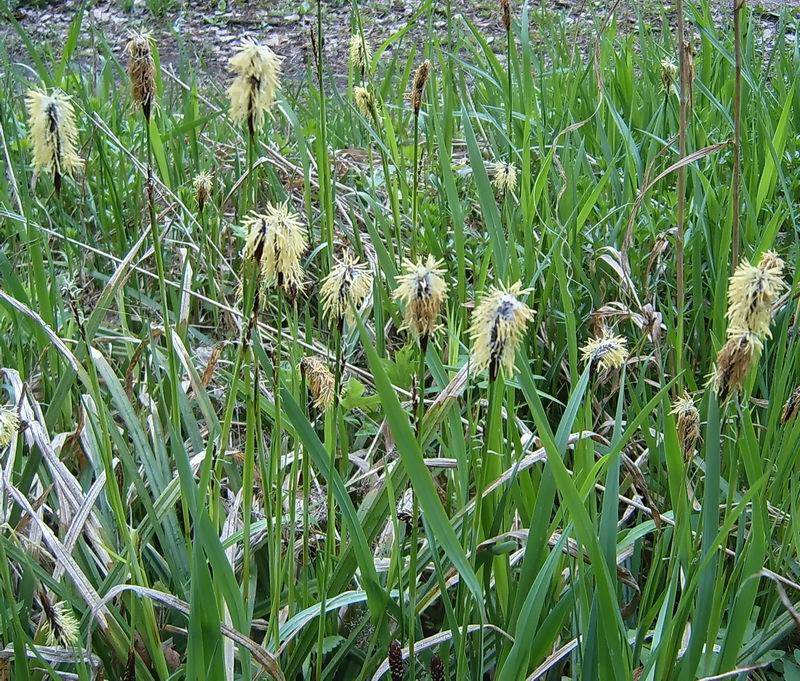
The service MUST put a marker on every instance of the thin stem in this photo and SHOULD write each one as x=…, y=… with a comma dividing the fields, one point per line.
x=681, y=189
x=415, y=189
x=737, y=130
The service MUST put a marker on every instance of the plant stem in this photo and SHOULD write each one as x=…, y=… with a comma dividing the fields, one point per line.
x=738, y=5
x=681, y=189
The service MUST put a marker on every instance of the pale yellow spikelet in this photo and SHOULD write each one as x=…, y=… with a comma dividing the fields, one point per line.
x=202, y=185
x=252, y=92
x=607, y=352
x=669, y=74
x=498, y=325
x=422, y=290
x=687, y=422
x=276, y=240
x=505, y=176
x=53, y=134
x=321, y=382
x=347, y=280
x=58, y=625
x=141, y=70
x=364, y=101
x=734, y=361
x=9, y=425
x=751, y=292
x=360, y=52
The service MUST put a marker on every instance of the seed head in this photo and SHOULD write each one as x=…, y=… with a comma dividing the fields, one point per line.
x=498, y=325
x=505, y=12
x=734, y=361
x=141, y=70
x=321, y=382
x=360, y=52
x=53, y=135
x=252, y=92
x=396, y=665
x=365, y=102
x=505, y=176
x=792, y=407
x=606, y=352
x=437, y=669
x=202, y=183
x=350, y=279
x=58, y=624
x=9, y=425
x=751, y=293
x=669, y=73
x=423, y=291
x=688, y=423
x=276, y=240
x=418, y=86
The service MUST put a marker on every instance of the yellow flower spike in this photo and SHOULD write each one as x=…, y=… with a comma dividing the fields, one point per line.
x=252, y=92
x=364, y=101
x=202, y=185
x=9, y=425
x=53, y=134
x=505, y=176
x=360, y=52
x=498, y=325
x=321, y=382
x=751, y=292
x=58, y=624
x=607, y=352
x=350, y=279
x=422, y=291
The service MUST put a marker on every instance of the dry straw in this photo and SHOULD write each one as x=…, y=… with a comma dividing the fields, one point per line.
x=348, y=281
x=252, y=92
x=498, y=325
x=141, y=71
x=423, y=291
x=53, y=134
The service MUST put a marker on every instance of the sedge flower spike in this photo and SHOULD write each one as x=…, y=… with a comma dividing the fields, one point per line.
x=53, y=134
x=607, y=352
x=751, y=292
x=360, y=52
x=792, y=407
x=498, y=325
x=348, y=279
x=734, y=361
x=687, y=423
x=202, y=184
x=58, y=624
x=418, y=85
x=252, y=92
x=422, y=291
x=365, y=102
x=141, y=71
x=505, y=176
x=276, y=241
x=9, y=425
x=321, y=382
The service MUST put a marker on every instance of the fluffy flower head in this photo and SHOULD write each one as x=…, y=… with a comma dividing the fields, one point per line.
x=360, y=52
x=53, y=134
x=498, y=325
x=321, y=382
x=751, y=292
x=252, y=92
x=9, y=425
x=607, y=352
x=349, y=278
x=505, y=176
x=734, y=361
x=423, y=291
x=364, y=101
x=202, y=184
x=141, y=70
x=58, y=624
x=688, y=422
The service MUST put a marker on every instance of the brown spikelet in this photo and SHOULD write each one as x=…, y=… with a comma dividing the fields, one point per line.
x=734, y=362
x=792, y=407
x=396, y=664
x=141, y=71
x=418, y=86
x=688, y=424
x=437, y=669
x=505, y=9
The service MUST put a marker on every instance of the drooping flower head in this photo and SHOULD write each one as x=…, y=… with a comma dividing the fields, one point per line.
x=348, y=279
x=734, y=361
x=58, y=624
x=792, y=407
x=423, y=291
x=365, y=102
x=505, y=176
x=607, y=352
x=321, y=382
x=141, y=70
x=505, y=14
x=498, y=325
x=669, y=73
x=688, y=423
x=9, y=425
x=751, y=292
x=53, y=134
x=360, y=53
x=252, y=92
x=418, y=85
x=276, y=241
x=202, y=184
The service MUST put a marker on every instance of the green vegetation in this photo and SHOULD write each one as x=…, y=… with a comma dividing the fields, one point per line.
x=183, y=495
